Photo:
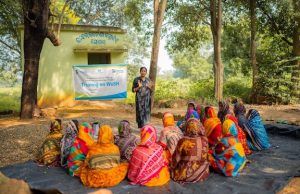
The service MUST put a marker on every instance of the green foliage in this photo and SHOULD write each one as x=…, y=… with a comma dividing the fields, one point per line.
x=10, y=99
x=171, y=89
x=238, y=87
x=189, y=64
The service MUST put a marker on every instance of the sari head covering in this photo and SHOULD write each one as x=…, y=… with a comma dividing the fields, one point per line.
x=228, y=156
x=168, y=119
x=147, y=165
x=170, y=135
x=259, y=131
x=189, y=162
x=102, y=167
x=126, y=141
x=213, y=126
x=253, y=140
x=50, y=151
x=67, y=141
x=191, y=113
x=223, y=110
x=80, y=148
x=242, y=137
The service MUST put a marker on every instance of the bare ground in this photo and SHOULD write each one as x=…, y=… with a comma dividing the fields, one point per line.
x=20, y=139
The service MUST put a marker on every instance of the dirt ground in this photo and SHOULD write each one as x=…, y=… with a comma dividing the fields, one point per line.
x=20, y=139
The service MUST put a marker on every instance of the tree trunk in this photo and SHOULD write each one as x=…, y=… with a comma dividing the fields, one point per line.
x=216, y=25
x=35, y=31
x=295, y=90
x=159, y=10
x=252, y=4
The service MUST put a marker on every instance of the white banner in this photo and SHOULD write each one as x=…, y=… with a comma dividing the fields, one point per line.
x=100, y=82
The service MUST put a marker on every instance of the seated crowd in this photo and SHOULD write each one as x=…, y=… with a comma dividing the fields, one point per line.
x=185, y=151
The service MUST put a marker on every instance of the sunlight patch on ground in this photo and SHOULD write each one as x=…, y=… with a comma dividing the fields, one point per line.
x=273, y=171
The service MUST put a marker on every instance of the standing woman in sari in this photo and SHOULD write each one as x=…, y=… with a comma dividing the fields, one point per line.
x=142, y=86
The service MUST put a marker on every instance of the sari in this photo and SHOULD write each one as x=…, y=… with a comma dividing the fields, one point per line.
x=102, y=167
x=260, y=134
x=241, y=134
x=169, y=136
x=142, y=101
x=147, y=165
x=228, y=157
x=189, y=162
x=80, y=148
x=50, y=151
x=213, y=126
x=223, y=110
x=126, y=141
x=67, y=141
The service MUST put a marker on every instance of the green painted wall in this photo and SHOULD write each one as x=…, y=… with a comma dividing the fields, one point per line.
x=55, y=84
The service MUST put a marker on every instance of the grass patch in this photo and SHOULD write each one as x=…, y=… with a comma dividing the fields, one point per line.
x=10, y=99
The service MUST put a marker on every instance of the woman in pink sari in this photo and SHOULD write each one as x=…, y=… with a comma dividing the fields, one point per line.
x=147, y=165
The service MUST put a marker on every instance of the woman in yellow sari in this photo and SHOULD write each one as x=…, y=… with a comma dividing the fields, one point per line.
x=102, y=167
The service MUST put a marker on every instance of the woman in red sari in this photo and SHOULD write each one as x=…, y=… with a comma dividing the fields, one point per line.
x=213, y=126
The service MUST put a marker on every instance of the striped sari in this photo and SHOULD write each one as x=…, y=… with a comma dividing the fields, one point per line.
x=169, y=136
x=80, y=148
x=147, y=165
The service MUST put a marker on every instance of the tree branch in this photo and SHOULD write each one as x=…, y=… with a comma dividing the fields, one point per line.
x=274, y=24
x=10, y=47
x=53, y=38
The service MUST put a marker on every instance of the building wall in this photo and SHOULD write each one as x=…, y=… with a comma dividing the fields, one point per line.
x=55, y=84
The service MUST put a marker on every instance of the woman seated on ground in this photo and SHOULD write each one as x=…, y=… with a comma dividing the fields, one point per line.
x=190, y=113
x=126, y=141
x=223, y=110
x=189, y=162
x=169, y=136
x=213, y=126
x=242, y=137
x=256, y=132
x=49, y=153
x=228, y=157
x=147, y=165
x=67, y=141
x=102, y=167
x=80, y=148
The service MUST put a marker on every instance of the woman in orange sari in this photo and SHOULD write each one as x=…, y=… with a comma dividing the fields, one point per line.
x=102, y=167
x=169, y=136
x=213, y=126
x=147, y=165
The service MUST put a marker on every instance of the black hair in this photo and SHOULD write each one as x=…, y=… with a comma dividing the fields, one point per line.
x=143, y=68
